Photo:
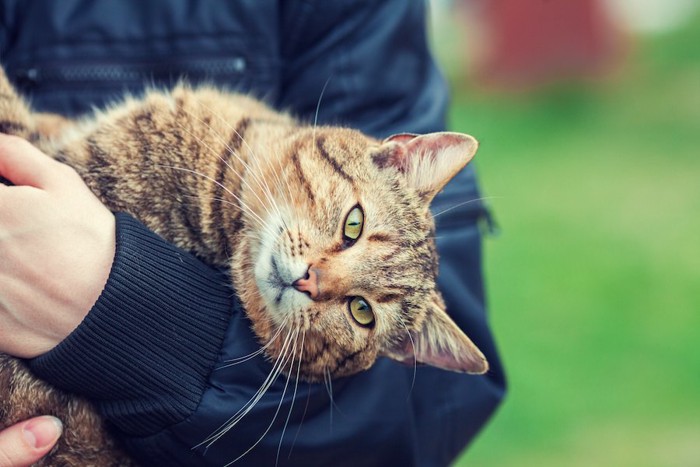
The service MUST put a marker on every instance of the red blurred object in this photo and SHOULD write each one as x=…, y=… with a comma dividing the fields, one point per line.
x=534, y=42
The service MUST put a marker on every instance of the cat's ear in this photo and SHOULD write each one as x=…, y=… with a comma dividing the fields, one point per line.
x=440, y=343
x=427, y=161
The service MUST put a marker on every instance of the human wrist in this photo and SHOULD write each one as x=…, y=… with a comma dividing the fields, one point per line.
x=80, y=296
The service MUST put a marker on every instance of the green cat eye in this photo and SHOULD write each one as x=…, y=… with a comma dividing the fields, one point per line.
x=353, y=224
x=361, y=311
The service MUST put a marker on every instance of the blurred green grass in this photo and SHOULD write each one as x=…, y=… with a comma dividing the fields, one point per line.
x=594, y=281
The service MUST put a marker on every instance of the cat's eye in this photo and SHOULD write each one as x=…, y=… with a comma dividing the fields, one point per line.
x=361, y=311
x=353, y=225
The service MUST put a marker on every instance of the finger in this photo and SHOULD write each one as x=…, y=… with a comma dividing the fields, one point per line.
x=25, y=443
x=23, y=164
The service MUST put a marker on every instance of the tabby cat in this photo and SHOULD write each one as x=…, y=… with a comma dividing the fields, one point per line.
x=327, y=232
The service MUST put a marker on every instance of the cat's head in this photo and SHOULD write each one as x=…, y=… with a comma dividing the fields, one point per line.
x=339, y=264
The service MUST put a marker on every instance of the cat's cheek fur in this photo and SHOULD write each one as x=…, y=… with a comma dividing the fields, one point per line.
x=335, y=355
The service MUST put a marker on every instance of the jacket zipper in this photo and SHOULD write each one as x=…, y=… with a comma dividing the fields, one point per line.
x=34, y=76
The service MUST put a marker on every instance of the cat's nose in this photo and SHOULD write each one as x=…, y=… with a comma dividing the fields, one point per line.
x=308, y=284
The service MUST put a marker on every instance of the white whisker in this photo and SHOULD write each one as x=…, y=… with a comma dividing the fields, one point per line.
x=320, y=98
x=242, y=204
x=318, y=107
x=261, y=182
x=303, y=415
x=415, y=362
x=209, y=198
x=294, y=396
x=245, y=358
x=329, y=388
x=279, y=406
x=248, y=406
x=463, y=203
x=243, y=180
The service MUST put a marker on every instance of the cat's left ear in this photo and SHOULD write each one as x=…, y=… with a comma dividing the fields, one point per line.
x=427, y=161
x=440, y=343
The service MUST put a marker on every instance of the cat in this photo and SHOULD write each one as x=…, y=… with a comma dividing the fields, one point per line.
x=326, y=231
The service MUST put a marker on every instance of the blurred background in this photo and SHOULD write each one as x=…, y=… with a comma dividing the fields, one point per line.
x=588, y=112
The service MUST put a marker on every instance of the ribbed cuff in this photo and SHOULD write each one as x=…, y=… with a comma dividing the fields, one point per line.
x=145, y=350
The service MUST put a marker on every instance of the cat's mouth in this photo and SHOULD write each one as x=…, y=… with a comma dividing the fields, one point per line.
x=275, y=277
x=277, y=281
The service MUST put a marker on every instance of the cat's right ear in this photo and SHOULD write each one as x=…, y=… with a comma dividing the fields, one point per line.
x=440, y=343
x=427, y=162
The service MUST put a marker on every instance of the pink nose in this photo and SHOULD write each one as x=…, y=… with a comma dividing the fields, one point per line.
x=308, y=284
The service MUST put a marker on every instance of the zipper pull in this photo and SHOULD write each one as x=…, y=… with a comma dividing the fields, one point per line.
x=27, y=77
x=488, y=224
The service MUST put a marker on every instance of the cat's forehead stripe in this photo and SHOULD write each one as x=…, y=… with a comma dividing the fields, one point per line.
x=294, y=155
x=320, y=141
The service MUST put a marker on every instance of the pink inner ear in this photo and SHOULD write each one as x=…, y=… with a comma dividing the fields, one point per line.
x=396, y=154
x=434, y=142
x=400, y=138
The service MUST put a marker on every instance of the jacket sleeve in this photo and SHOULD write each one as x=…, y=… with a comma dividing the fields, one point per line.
x=145, y=350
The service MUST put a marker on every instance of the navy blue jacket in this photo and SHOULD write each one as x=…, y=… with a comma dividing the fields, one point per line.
x=152, y=351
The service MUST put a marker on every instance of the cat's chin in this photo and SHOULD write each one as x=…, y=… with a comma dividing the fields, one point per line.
x=284, y=302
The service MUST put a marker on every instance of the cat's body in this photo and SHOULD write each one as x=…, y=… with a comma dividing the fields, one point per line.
x=326, y=231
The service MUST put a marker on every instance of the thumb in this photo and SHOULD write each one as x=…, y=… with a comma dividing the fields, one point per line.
x=23, y=164
x=25, y=443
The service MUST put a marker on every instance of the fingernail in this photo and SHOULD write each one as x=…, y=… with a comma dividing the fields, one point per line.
x=42, y=431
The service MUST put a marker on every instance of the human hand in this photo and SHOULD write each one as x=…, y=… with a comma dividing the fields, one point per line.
x=27, y=442
x=57, y=243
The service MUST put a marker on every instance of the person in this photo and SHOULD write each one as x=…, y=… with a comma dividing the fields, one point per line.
x=152, y=350
x=25, y=443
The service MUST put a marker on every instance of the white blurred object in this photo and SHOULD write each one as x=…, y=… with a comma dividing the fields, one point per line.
x=651, y=15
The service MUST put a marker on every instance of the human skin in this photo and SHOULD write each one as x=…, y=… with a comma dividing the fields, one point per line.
x=26, y=442
x=57, y=243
